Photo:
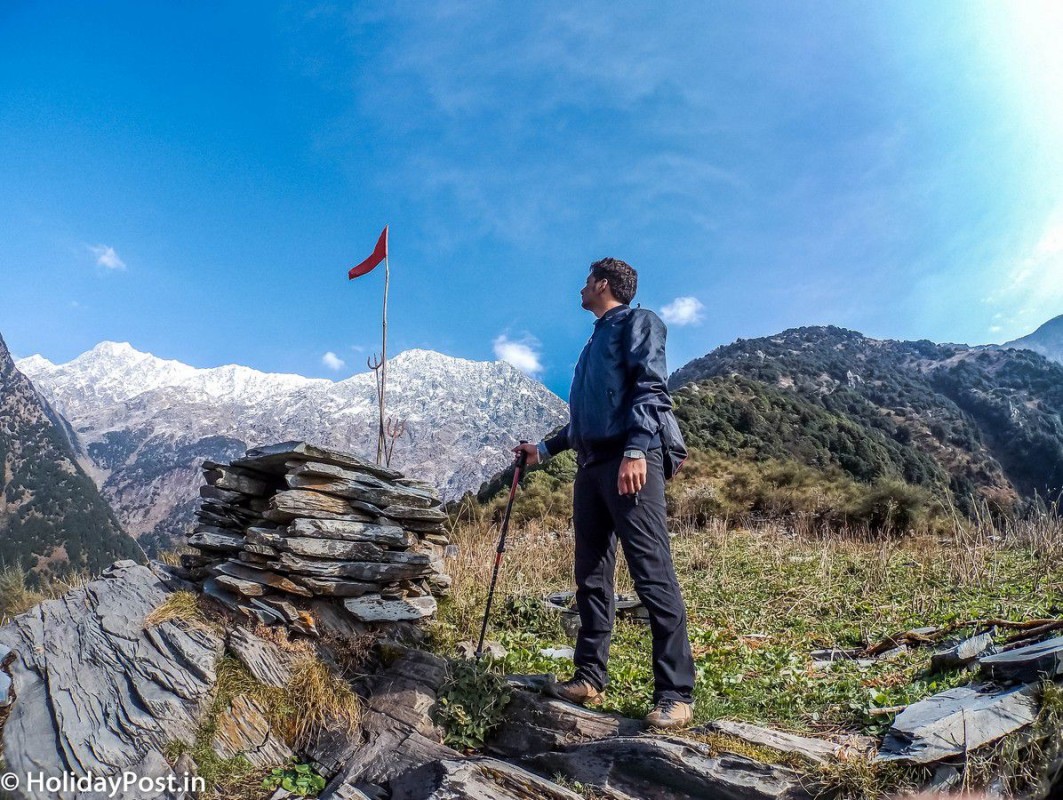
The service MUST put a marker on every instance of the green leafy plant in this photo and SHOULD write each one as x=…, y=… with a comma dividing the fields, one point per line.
x=299, y=779
x=471, y=704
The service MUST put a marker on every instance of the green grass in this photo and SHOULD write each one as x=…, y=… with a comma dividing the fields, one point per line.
x=759, y=603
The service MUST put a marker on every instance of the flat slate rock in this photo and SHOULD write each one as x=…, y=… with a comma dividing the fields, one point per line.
x=662, y=767
x=384, y=535
x=537, y=723
x=417, y=525
x=243, y=730
x=332, y=548
x=207, y=538
x=234, y=479
x=963, y=653
x=97, y=691
x=265, y=660
x=226, y=496
x=303, y=503
x=360, y=486
x=1043, y=660
x=819, y=751
x=407, y=513
x=265, y=577
x=475, y=779
x=334, y=587
x=382, y=750
x=374, y=608
x=272, y=458
x=953, y=722
x=240, y=586
x=373, y=572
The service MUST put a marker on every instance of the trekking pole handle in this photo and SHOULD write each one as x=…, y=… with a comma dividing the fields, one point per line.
x=518, y=472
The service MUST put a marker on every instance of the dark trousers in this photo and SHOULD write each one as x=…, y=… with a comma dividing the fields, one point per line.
x=600, y=516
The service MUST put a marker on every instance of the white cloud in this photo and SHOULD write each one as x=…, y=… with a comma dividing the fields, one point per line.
x=1029, y=288
x=106, y=257
x=523, y=355
x=332, y=361
x=683, y=311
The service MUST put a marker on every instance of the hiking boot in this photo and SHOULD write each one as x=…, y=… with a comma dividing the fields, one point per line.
x=576, y=691
x=670, y=714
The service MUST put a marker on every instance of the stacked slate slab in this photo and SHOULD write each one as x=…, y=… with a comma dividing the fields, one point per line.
x=293, y=524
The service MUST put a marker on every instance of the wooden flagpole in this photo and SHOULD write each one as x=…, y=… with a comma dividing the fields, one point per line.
x=381, y=443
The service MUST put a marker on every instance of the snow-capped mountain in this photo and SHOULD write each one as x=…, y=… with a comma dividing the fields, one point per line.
x=146, y=423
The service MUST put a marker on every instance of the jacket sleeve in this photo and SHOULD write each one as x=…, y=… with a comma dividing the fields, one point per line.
x=559, y=442
x=645, y=362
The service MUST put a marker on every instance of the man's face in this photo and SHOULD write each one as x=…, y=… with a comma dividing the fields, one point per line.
x=589, y=294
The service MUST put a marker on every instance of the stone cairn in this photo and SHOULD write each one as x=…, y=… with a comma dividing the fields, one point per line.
x=293, y=524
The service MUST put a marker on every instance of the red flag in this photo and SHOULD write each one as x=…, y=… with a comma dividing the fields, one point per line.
x=380, y=252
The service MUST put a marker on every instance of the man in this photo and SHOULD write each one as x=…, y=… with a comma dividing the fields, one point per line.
x=618, y=408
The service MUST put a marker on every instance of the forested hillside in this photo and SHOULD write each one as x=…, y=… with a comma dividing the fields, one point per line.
x=828, y=426
x=52, y=518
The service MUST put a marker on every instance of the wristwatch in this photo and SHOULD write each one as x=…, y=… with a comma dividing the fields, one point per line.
x=634, y=454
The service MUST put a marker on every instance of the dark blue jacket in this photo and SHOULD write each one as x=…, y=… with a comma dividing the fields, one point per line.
x=619, y=390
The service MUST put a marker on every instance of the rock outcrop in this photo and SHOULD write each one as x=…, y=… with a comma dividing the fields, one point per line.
x=96, y=690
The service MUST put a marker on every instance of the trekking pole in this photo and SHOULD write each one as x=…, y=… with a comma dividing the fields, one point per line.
x=522, y=460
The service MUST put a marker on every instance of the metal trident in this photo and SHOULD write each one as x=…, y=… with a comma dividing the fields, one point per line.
x=394, y=430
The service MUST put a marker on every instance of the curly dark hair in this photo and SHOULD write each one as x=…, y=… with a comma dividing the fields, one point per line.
x=622, y=278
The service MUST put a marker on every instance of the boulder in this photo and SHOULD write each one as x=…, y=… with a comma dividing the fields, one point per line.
x=384, y=749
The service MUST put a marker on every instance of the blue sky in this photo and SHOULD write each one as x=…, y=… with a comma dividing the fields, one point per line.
x=196, y=178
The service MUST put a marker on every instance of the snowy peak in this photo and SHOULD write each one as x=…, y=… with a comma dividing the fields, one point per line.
x=110, y=372
x=146, y=423
x=34, y=365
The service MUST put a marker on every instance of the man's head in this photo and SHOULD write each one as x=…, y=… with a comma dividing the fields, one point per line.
x=610, y=283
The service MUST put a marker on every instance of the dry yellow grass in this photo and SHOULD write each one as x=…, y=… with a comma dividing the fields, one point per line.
x=185, y=607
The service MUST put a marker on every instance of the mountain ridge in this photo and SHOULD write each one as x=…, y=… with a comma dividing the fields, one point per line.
x=990, y=418
x=146, y=423
x=1047, y=340
x=52, y=517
